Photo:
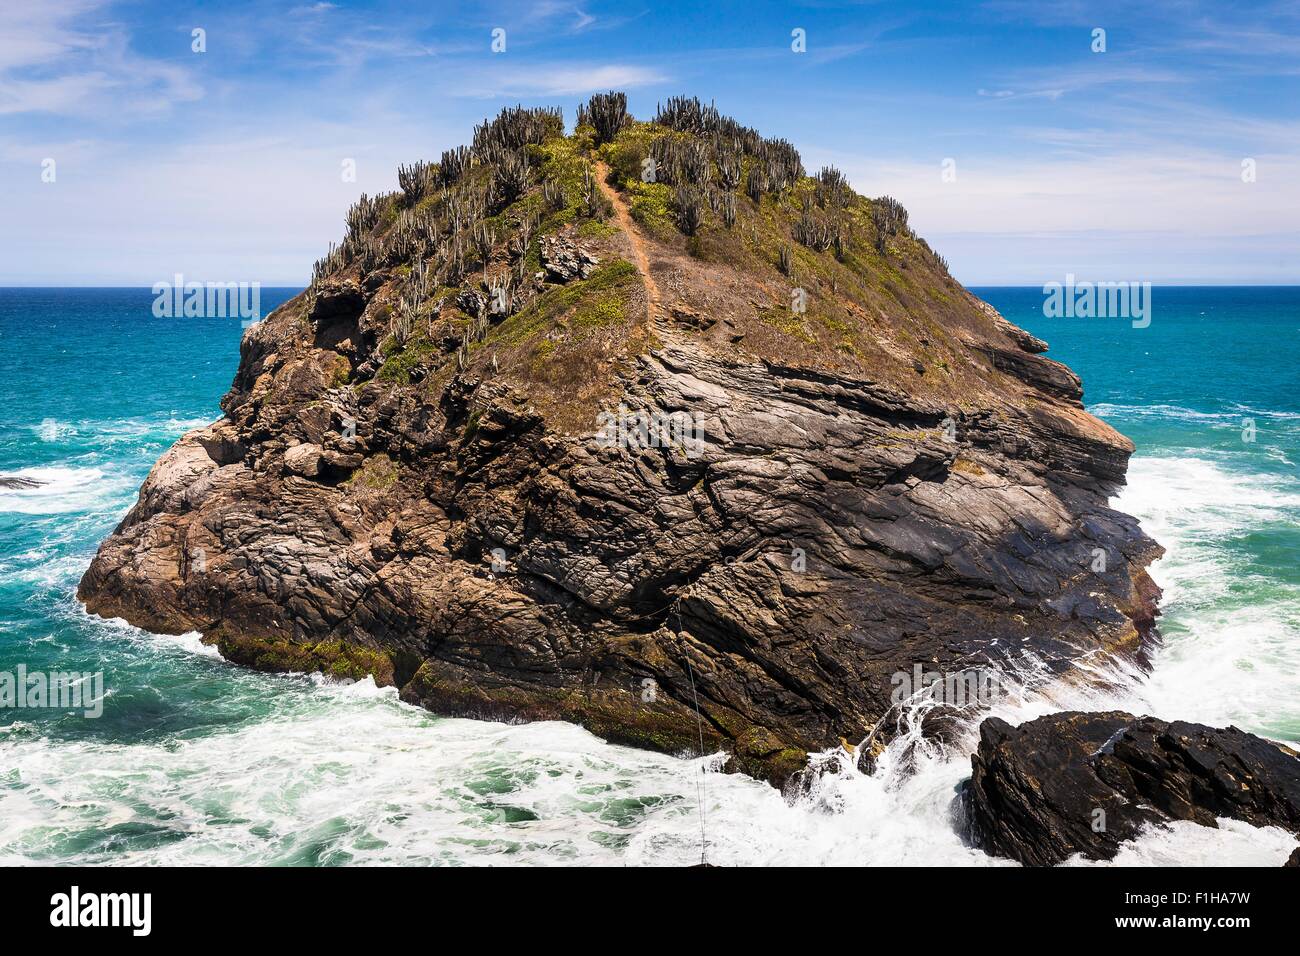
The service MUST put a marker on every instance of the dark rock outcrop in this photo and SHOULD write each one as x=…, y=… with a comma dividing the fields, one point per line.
x=565, y=260
x=1086, y=782
x=863, y=486
x=19, y=484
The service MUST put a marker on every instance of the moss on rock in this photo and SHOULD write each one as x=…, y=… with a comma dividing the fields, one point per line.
x=278, y=655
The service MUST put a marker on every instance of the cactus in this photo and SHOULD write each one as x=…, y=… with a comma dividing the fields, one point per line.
x=484, y=240
x=729, y=209
x=785, y=261
x=415, y=180
x=813, y=231
x=756, y=183
x=664, y=152
x=679, y=163
x=327, y=265
x=514, y=128
x=695, y=163
x=523, y=236
x=403, y=317
x=832, y=188
x=606, y=113
x=689, y=208
x=888, y=216
x=783, y=166
x=454, y=164
x=511, y=176
x=362, y=217
x=728, y=169
x=593, y=200
x=553, y=195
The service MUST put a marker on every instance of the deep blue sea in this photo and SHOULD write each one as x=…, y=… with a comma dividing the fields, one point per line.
x=197, y=761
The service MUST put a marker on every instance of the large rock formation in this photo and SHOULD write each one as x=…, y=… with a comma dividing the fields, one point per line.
x=1084, y=783
x=752, y=447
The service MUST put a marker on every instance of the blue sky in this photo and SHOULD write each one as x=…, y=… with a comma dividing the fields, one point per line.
x=225, y=165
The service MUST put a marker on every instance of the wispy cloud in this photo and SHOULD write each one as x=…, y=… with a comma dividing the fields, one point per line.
x=64, y=56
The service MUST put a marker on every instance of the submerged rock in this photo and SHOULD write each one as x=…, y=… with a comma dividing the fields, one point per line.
x=19, y=484
x=1084, y=783
x=730, y=533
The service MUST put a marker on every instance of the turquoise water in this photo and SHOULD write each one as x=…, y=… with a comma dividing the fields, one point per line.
x=1186, y=390
x=197, y=761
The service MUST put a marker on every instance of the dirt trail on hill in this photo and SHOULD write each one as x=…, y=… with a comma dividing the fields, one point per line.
x=654, y=302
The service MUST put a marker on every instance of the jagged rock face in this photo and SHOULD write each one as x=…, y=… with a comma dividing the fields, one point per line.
x=623, y=566
x=1087, y=782
x=823, y=526
x=565, y=260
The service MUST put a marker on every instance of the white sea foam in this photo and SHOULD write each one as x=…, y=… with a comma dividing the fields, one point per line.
x=62, y=490
x=1178, y=412
x=50, y=430
x=1183, y=843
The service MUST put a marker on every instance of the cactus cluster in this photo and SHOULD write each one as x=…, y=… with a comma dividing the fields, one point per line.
x=832, y=188
x=404, y=316
x=782, y=162
x=680, y=162
x=729, y=168
x=361, y=218
x=521, y=239
x=728, y=209
x=484, y=238
x=553, y=195
x=513, y=129
x=888, y=216
x=725, y=142
x=449, y=237
x=606, y=113
x=453, y=165
x=594, y=203
x=327, y=265
x=689, y=208
x=416, y=181
x=687, y=114
x=511, y=176
x=815, y=231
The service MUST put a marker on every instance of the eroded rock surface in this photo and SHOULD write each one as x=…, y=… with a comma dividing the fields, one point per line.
x=565, y=260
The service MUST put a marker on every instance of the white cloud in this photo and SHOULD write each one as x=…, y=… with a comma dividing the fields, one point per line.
x=60, y=57
x=1152, y=215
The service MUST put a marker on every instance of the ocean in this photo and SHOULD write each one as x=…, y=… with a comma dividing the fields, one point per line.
x=196, y=761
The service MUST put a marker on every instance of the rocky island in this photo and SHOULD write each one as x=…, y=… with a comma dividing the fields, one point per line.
x=634, y=423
